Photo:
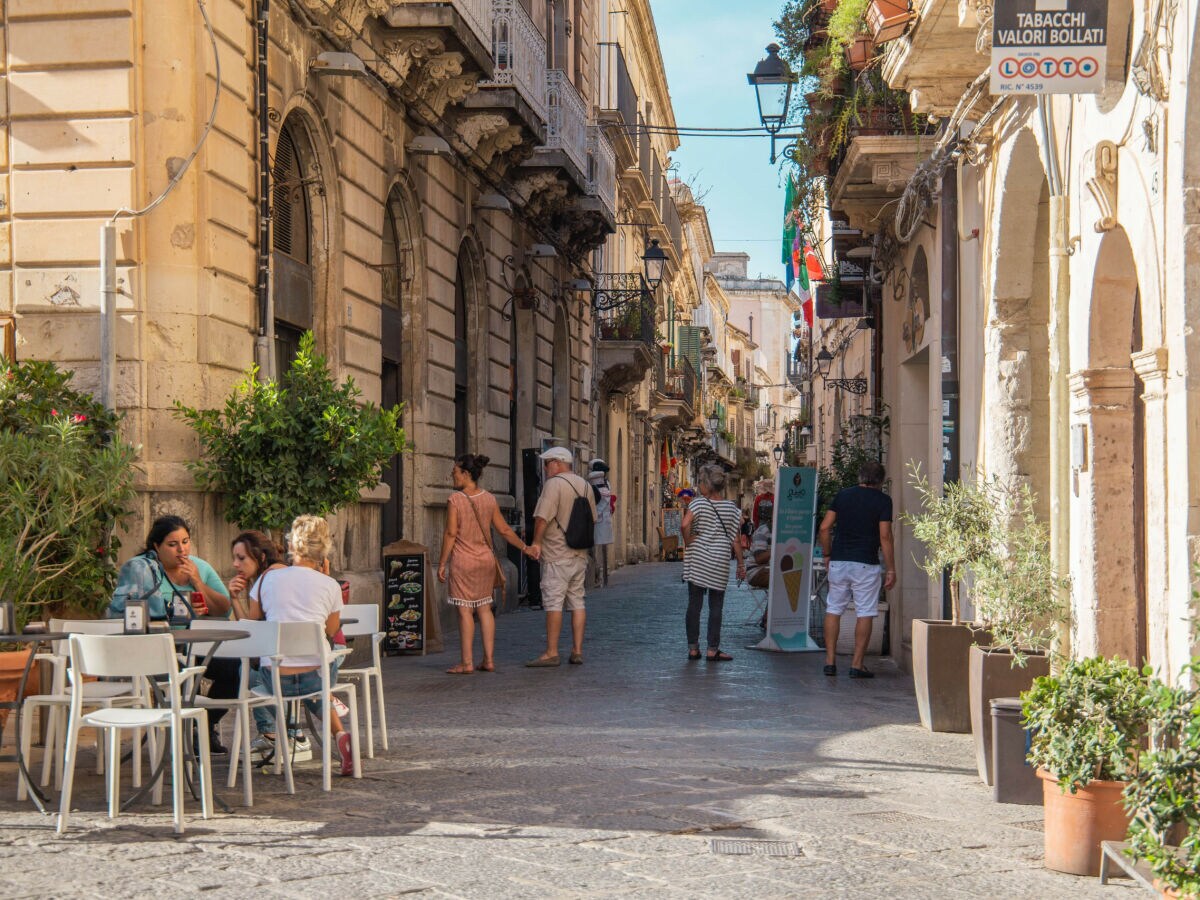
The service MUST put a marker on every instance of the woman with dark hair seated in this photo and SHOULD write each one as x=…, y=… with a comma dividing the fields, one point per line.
x=170, y=579
x=468, y=562
x=253, y=555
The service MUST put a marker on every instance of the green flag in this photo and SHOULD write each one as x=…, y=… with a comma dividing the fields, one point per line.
x=789, y=222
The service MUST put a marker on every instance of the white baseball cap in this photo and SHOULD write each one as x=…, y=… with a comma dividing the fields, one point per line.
x=562, y=454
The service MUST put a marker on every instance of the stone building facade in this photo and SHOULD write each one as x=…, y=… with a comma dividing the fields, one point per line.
x=433, y=196
x=1035, y=310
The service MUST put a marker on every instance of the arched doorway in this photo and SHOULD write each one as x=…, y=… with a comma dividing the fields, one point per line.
x=1017, y=331
x=1108, y=426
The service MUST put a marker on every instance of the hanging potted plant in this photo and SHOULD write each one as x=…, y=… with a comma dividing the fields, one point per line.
x=1164, y=797
x=859, y=52
x=955, y=528
x=1018, y=599
x=1086, y=728
x=888, y=19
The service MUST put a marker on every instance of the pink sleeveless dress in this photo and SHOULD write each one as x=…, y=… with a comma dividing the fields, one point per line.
x=472, y=568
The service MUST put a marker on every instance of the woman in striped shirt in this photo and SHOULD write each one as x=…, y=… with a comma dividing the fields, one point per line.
x=710, y=533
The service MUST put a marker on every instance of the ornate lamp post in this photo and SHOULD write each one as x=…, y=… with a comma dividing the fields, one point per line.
x=773, y=80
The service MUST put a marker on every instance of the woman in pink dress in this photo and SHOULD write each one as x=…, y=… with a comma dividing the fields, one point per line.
x=468, y=562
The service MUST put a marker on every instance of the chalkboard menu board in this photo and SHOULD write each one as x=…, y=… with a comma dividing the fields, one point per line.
x=404, y=603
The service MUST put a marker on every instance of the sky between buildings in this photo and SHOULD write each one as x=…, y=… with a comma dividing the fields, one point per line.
x=708, y=46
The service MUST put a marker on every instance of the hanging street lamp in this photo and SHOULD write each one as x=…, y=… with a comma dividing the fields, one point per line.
x=655, y=261
x=773, y=80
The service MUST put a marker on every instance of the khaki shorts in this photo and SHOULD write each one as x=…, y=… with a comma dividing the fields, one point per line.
x=562, y=584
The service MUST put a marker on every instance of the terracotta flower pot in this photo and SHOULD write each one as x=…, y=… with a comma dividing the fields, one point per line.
x=12, y=664
x=888, y=19
x=1076, y=823
x=860, y=51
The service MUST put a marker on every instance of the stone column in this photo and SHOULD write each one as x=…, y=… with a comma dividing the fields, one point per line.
x=1151, y=367
x=1103, y=592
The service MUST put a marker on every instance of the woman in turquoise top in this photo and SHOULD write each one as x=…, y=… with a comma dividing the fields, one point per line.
x=166, y=570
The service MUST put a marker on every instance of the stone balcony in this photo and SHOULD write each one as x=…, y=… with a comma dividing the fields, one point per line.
x=673, y=398
x=507, y=117
x=872, y=176
x=937, y=59
x=626, y=349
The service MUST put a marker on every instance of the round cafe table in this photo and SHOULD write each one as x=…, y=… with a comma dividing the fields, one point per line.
x=32, y=638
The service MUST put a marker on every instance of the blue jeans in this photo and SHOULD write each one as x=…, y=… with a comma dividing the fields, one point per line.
x=292, y=686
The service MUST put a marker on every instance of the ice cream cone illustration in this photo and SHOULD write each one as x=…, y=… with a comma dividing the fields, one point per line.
x=793, y=581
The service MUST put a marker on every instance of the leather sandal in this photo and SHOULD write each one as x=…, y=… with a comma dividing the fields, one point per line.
x=718, y=656
x=543, y=662
x=694, y=654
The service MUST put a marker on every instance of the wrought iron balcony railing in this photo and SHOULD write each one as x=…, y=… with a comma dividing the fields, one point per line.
x=677, y=382
x=625, y=308
x=616, y=87
x=566, y=119
x=602, y=169
x=519, y=51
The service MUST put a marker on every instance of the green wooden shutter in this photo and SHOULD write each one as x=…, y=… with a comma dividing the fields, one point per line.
x=689, y=345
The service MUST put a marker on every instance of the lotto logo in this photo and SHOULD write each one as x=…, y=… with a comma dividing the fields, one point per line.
x=1048, y=67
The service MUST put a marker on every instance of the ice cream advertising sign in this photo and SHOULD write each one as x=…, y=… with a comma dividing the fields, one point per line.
x=1049, y=46
x=793, y=534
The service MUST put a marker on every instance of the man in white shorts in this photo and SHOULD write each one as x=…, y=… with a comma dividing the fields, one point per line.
x=862, y=517
x=563, y=567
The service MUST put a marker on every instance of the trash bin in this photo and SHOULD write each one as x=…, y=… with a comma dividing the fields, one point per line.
x=1013, y=779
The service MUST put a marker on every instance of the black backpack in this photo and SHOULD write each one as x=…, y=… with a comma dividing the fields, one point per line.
x=580, y=533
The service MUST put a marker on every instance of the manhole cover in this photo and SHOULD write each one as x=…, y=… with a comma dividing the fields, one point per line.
x=1028, y=825
x=895, y=817
x=755, y=848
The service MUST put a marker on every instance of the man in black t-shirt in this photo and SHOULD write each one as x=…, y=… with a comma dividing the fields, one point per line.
x=863, y=519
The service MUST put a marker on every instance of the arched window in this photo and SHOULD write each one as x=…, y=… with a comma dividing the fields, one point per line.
x=462, y=362
x=560, y=415
x=397, y=275
x=291, y=242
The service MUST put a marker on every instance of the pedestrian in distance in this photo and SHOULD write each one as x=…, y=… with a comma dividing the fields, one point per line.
x=563, y=532
x=606, y=502
x=468, y=563
x=711, y=532
x=856, y=528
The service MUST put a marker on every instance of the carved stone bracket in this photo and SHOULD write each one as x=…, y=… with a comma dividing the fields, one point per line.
x=407, y=53
x=477, y=128
x=347, y=17
x=441, y=82
x=1103, y=185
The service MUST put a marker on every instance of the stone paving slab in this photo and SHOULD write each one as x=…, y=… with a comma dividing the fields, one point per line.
x=609, y=779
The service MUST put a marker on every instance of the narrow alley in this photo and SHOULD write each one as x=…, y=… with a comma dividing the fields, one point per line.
x=616, y=778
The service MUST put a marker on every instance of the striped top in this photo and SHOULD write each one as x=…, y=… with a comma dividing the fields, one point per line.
x=715, y=525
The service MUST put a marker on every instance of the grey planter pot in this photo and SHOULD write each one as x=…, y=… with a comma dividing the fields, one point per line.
x=992, y=675
x=940, y=665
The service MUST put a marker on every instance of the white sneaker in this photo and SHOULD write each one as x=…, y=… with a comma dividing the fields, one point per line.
x=340, y=708
x=262, y=744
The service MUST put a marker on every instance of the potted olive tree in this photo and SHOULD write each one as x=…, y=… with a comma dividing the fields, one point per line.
x=1087, y=725
x=1018, y=599
x=955, y=528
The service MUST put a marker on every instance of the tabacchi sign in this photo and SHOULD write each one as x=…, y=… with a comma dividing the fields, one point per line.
x=1049, y=46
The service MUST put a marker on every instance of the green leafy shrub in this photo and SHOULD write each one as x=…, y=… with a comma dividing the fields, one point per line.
x=1164, y=797
x=1088, y=723
x=302, y=444
x=66, y=485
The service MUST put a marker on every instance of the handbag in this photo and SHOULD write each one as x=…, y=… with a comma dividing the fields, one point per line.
x=724, y=528
x=498, y=580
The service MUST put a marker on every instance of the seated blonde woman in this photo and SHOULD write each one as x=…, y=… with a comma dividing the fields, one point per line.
x=301, y=592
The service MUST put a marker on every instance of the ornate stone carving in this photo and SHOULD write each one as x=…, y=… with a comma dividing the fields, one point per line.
x=1103, y=185
x=480, y=126
x=500, y=143
x=531, y=185
x=348, y=16
x=442, y=82
x=405, y=54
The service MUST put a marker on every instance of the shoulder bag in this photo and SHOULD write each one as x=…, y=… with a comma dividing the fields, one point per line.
x=498, y=580
x=724, y=528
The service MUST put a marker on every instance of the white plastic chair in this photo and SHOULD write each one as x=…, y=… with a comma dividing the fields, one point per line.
x=367, y=626
x=308, y=639
x=263, y=641
x=135, y=656
x=96, y=694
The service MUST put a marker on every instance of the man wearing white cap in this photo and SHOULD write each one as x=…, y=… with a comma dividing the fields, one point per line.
x=563, y=566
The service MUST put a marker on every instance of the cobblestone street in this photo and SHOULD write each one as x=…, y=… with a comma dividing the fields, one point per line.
x=610, y=779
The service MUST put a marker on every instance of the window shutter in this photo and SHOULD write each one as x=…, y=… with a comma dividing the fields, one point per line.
x=689, y=345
